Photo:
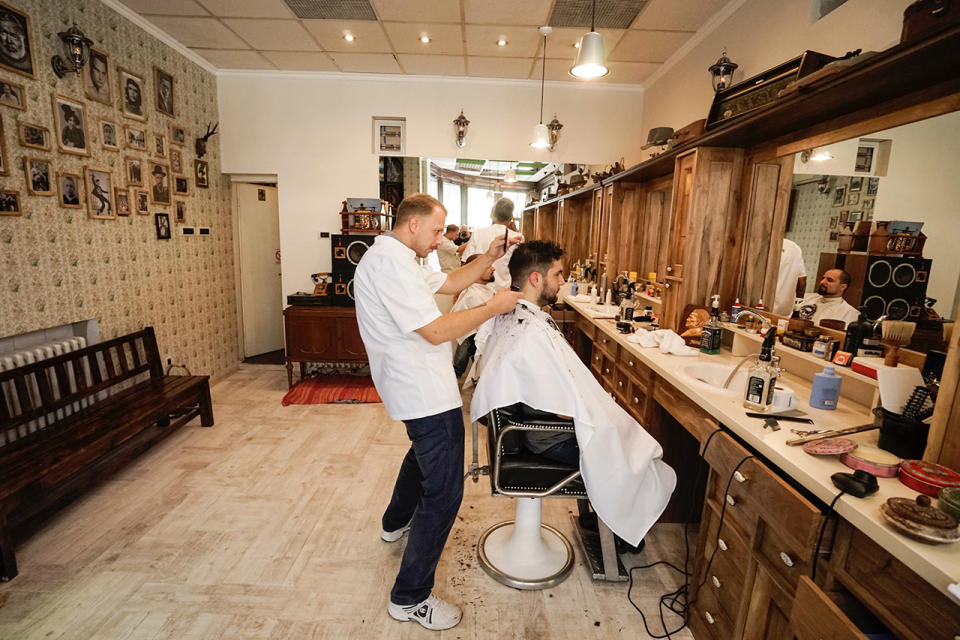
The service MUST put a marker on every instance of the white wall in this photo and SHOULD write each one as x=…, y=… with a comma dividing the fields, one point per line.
x=315, y=132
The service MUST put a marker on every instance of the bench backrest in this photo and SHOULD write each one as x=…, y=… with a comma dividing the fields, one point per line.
x=36, y=396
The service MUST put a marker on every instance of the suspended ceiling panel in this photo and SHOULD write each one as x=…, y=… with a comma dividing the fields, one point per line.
x=464, y=35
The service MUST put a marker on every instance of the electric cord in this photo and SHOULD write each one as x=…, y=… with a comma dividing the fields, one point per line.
x=674, y=601
x=823, y=528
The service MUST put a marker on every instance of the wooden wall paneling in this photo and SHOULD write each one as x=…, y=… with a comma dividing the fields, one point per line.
x=528, y=222
x=597, y=220
x=655, y=217
x=612, y=199
x=580, y=227
x=629, y=233
x=943, y=441
x=677, y=239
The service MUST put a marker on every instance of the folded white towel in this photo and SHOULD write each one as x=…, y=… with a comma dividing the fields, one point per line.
x=581, y=297
x=667, y=340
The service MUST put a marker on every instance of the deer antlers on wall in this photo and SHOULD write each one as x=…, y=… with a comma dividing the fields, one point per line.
x=201, y=143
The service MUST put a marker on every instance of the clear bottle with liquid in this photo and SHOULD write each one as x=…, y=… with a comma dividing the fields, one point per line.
x=762, y=377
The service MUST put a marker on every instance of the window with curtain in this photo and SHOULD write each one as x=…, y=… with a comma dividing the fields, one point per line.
x=451, y=200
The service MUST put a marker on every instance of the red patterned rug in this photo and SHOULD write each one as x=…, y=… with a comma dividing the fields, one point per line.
x=332, y=389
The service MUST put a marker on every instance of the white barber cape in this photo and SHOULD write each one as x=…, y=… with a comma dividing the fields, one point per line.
x=525, y=359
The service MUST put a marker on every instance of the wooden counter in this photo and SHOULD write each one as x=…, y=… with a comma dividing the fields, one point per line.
x=321, y=334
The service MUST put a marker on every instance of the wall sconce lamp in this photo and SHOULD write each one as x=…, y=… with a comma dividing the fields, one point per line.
x=817, y=156
x=76, y=48
x=461, y=124
x=721, y=72
x=554, y=127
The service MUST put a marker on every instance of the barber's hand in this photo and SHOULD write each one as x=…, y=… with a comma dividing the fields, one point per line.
x=496, y=249
x=504, y=301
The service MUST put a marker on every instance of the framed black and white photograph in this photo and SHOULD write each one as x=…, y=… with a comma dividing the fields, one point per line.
x=34, y=136
x=853, y=198
x=389, y=136
x=10, y=203
x=16, y=46
x=164, y=85
x=68, y=184
x=856, y=184
x=833, y=221
x=96, y=77
x=200, y=177
x=180, y=215
x=873, y=184
x=162, y=223
x=108, y=135
x=4, y=167
x=159, y=181
x=864, y=161
x=833, y=236
x=134, y=171
x=159, y=145
x=844, y=215
x=868, y=203
x=71, y=127
x=39, y=176
x=838, y=194
x=181, y=186
x=178, y=135
x=136, y=138
x=141, y=201
x=131, y=93
x=856, y=216
x=176, y=160
x=99, y=185
x=12, y=95
x=121, y=197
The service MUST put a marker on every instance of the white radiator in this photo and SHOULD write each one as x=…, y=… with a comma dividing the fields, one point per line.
x=35, y=354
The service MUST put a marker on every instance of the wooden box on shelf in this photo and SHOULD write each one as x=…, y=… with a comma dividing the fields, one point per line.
x=366, y=221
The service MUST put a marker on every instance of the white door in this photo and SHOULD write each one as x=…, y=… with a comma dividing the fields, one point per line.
x=258, y=219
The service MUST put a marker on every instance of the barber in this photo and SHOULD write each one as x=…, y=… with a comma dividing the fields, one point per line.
x=405, y=336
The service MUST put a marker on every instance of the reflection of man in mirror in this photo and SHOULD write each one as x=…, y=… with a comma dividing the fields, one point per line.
x=791, y=279
x=828, y=303
x=97, y=191
x=132, y=100
x=71, y=195
x=161, y=190
x=71, y=130
x=14, y=48
x=97, y=87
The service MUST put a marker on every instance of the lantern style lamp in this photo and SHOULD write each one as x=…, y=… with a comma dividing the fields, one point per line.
x=721, y=72
x=461, y=124
x=553, y=127
x=76, y=49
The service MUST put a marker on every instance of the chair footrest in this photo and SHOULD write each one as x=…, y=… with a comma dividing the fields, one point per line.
x=593, y=554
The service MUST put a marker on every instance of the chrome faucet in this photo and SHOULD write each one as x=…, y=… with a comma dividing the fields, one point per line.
x=747, y=312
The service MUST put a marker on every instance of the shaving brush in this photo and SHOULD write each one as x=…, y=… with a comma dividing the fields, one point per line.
x=895, y=334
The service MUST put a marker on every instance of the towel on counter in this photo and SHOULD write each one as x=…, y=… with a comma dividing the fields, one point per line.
x=581, y=297
x=667, y=340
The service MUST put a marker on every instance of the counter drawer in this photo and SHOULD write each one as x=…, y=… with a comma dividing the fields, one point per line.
x=588, y=328
x=636, y=369
x=635, y=402
x=726, y=582
x=732, y=549
x=711, y=617
x=607, y=344
x=694, y=419
x=781, y=558
x=596, y=361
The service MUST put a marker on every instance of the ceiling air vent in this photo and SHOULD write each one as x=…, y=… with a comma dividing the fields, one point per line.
x=332, y=9
x=611, y=14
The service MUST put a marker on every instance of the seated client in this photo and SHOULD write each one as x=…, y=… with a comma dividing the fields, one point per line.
x=525, y=359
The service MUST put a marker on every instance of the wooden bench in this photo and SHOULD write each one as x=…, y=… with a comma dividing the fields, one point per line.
x=69, y=421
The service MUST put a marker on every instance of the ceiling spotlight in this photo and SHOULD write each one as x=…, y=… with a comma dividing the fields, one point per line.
x=591, y=57
x=349, y=37
x=501, y=42
x=425, y=39
x=576, y=45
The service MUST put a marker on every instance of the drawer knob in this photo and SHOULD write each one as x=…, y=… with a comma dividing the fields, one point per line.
x=716, y=582
x=709, y=618
x=630, y=362
x=785, y=559
x=597, y=358
x=730, y=500
x=605, y=341
x=721, y=544
x=620, y=383
x=606, y=370
x=636, y=400
x=739, y=477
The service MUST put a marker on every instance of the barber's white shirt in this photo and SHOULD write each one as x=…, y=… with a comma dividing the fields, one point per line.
x=791, y=270
x=829, y=309
x=394, y=297
x=473, y=296
x=447, y=253
x=480, y=241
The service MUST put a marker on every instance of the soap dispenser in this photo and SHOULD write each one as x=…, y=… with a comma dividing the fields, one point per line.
x=712, y=331
x=762, y=377
x=825, y=392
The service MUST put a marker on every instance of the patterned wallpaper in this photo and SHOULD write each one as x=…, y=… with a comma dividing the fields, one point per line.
x=59, y=266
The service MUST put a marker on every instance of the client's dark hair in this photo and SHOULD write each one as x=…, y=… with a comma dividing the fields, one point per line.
x=536, y=255
x=844, y=277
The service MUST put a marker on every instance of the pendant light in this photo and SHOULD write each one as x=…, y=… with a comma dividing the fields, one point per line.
x=591, y=55
x=541, y=135
x=511, y=175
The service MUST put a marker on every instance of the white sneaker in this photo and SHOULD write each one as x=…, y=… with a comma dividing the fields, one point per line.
x=393, y=536
x=433, y=613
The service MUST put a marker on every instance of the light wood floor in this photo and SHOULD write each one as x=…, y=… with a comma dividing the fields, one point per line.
x=267, y=526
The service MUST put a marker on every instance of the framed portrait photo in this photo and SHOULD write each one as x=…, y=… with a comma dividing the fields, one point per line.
x=181, y=186
x=134, y=171
x=131, y=94
x=856, y=216
x=16, y=52
x=200, y=176
x=68, y=184
x=121, y=197
x=838, y=195
x=856, y=183
x=39, y=176
x=10, y=203
x=96, y=77
x=389, y=136
x=180, y=212
x=864, y=160
x=868, y=203
x=34, y=136
x=164, y=85
x=141, y=201
x=162, y=222
x=159, y=182
x=176, y=160
x=844, y=215
x=12, y=95
x=159, y=145
x=71, y=125
x=136, y=138
x=4, y=167
x=108, y=135
x=873, y=184
x=99, y=185
x=178, y=135
x=853, y=198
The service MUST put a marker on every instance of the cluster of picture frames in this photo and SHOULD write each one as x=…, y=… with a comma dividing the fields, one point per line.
x=849, y=195
x=155, y=179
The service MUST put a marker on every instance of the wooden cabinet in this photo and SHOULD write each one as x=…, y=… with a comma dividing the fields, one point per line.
x=814, y=616
x=321, y=334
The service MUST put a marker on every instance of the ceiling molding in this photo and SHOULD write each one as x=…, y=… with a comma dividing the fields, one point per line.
x=159, y=34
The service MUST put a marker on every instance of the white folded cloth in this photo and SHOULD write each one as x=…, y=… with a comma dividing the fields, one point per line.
x=667, y=340
x=581, y=297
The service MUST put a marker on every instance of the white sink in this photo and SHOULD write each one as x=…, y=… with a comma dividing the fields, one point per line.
x=713, y=375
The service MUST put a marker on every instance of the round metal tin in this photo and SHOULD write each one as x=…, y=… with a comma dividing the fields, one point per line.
x=830, y=446
x=927, y=477
x=880, y=463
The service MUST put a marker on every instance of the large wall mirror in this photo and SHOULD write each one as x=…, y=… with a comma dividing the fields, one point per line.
x=884, y=210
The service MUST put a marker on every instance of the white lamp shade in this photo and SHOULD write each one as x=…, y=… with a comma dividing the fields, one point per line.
x=591, y=57
x=541, y=137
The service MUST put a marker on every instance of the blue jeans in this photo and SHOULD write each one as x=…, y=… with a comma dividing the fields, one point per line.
x=427, y=494
x=565, y=451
